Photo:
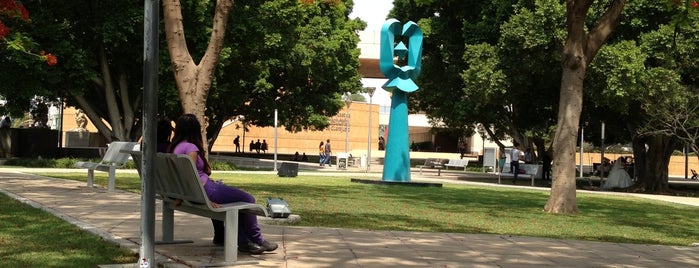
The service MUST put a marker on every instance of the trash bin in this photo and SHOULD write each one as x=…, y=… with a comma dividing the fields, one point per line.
x=342, y=161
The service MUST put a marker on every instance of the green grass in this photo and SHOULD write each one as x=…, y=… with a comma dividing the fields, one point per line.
x=30, y=237
x=337, y=202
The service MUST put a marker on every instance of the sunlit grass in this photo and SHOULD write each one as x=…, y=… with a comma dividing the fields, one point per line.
x=30, y=237
x=337, y=202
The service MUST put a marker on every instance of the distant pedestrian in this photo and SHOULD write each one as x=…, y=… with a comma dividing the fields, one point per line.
x=328, y=153
x=264, y=146
x=258, y=145
x=514, y=165
x=321, y=153
x=252, y=145
x=304, y=158
x=236, y=142
x=546, y=165
x=528, y=157
x=501, y=160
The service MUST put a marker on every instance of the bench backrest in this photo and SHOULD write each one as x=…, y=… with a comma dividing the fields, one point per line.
x=114, y=154
x=176, y=177
x=458, y=162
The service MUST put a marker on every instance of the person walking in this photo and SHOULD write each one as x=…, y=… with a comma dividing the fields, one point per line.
x=514, y=164
x=328, y=153
x=236, y=142
x=188, y=141
x=321, y=153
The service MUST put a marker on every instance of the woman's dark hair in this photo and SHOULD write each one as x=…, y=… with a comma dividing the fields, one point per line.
x=187, y=128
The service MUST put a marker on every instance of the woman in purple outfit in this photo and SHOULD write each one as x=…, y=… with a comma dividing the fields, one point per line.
x=187, y=140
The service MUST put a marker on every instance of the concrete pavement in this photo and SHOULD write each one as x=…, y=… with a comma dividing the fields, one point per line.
x=116, y=217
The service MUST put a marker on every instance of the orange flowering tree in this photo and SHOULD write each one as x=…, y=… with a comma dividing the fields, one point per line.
x=13, y=15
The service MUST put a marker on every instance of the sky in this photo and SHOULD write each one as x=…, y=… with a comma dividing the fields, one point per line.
x=374, y=13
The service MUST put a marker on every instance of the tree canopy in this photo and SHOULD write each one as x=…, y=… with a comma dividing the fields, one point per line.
x=297, y=57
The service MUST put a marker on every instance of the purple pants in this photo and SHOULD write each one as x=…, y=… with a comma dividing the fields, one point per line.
x=248, y=230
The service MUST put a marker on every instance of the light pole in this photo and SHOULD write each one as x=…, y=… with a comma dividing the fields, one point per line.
x=348, y=102
x=370, y=91
x=601, y=176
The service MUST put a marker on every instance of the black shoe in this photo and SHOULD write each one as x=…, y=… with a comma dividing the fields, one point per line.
x=251, y=248
x=269, y=246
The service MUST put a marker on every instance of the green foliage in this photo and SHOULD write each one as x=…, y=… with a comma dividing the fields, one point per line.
x=222, y=166
x=30, y=237
x=46, y=162
x=301, y=57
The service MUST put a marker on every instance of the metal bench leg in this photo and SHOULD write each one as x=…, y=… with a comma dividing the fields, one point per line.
x=90, y=177
x=168, y=223
x=168, y=226
x=112, y=178
x=231, y=244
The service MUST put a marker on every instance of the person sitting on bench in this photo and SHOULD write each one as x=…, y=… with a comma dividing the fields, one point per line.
x=187, y=140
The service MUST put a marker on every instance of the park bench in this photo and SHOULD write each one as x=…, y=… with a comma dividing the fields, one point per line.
x=113, y=158
x=433, y=164
x=177, y=185
x=459, y=163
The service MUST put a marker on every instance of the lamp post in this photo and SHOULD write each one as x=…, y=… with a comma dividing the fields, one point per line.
x=601, y=176
x=370, y=91
x=348, y=102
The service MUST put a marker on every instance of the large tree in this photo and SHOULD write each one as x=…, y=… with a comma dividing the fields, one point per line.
x=296, y=57
x=582, y=44
x=98, y=43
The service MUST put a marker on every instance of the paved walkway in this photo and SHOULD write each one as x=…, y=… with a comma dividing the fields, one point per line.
x=115, y=216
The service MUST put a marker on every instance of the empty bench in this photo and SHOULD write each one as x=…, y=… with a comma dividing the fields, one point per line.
x=432, y=163
x=114, y=158
x=177, y=185
x=458, y=163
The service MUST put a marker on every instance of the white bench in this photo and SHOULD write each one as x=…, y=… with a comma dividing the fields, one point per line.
x=114, y=158
x=177, y=181
x=432, y=163
x=459, y=163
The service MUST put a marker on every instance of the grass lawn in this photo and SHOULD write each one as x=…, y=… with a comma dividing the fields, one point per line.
x=336, y=202
x=30, y=237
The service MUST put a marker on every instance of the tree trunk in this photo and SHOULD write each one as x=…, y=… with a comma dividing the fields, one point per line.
x=194, y=80
x=579, y=50
x=639, y=158
x=563, y=188
x=119, y=112
x=654, y=168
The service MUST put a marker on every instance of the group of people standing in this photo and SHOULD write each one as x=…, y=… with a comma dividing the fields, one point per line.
x=256, y=146
x=325, y=153
x=516, y=156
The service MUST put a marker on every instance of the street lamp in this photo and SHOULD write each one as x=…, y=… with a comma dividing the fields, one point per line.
x=348, y=102
x=370, y=91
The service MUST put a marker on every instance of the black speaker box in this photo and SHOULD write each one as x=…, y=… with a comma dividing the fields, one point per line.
x=288, y=170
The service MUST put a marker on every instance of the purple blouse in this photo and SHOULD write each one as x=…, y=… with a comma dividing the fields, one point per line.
x=185, y=147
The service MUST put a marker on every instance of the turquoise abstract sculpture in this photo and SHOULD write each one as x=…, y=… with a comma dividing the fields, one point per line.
x=401, y=80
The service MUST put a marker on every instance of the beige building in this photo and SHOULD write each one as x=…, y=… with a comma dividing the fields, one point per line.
x=356, y=135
